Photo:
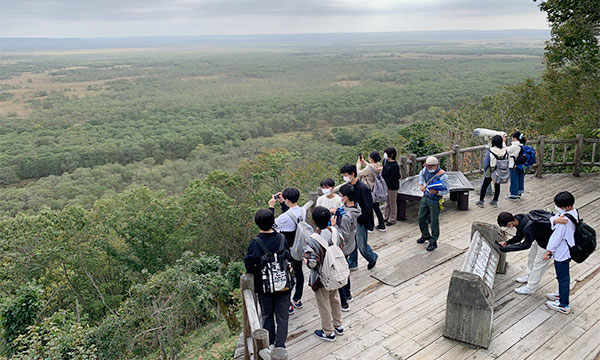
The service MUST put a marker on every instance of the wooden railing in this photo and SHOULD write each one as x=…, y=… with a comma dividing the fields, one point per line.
x=577, y=153
x=256, y=339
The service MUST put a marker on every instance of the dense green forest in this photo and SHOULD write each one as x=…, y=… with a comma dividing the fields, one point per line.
x=130, y=178
x=89, y=125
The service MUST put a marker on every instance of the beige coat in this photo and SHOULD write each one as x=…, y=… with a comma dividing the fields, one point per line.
x=513, y=152
x=366, y=175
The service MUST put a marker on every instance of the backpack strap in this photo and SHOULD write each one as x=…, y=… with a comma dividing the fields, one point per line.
x=282, y=242
x=570, y=217
x=262, y=245
x=293, y=217
x=320, y=240
x=335, y=235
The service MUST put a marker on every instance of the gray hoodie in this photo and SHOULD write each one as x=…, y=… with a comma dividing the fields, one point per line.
x=314, y=254
x=347, y=227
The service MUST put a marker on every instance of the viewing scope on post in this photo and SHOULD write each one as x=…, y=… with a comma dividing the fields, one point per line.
x=487, y=134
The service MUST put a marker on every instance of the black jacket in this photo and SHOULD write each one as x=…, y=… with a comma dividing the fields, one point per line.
x=362, y=195
x=391, y=174
x=255, y=252
x=528, y=231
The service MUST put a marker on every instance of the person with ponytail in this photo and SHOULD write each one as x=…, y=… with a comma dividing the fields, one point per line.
x=517, y=176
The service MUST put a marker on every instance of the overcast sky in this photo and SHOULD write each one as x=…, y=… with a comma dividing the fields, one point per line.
x=108, y=18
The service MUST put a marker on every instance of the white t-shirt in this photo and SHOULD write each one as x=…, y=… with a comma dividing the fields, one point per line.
x=334, y=202
x=562, y=237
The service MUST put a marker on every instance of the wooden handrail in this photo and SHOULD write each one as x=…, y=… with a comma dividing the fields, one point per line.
x=460, y=160
x=256, y=339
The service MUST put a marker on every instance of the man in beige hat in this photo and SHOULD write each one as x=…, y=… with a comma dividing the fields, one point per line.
x=433, y=182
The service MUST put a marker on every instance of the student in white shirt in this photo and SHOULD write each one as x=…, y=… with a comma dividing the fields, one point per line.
x=285, y=225
x=558, y=247
x=329, y=200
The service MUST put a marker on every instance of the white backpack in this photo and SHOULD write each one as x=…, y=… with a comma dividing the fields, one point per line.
x=303, y=231
x=334, y=269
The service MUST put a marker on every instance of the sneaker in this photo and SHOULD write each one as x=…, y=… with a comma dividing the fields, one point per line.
x=524, y=290
x=387, y=223
x=370, y=231
x=339, y=330
x=370, y=266
x=431, y=247
x=556, y=306
x=522, y=280
x=349, y=299
x=291, y=309
x=298, y=304
x=422, y=240
x=494, y=203
x=511, y=198
x=479, y=203
x=345, y=308
x=321, y=335
x=353, y=268
x=553, y=296
x=380, y=228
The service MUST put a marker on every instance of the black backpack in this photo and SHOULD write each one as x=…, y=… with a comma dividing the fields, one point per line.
x=585, y=240
x=540, y=216
x=275, y=268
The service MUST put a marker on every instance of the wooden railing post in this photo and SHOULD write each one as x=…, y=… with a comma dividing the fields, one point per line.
x=456, y=157
x=413, y=165
x=403, y=165
x=260, y=338
x=540, y=156
x=246, y=282
x=578, y=154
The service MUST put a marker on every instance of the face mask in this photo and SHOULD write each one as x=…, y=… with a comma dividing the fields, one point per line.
x=385, y=156
x=326, y=192
x=347, y=179
x=558, y=210
x=432, y=170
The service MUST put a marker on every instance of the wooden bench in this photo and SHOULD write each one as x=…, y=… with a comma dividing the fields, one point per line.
x=409, y=190
x=470, y=302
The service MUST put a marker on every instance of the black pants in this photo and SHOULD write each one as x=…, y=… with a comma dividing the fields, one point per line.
x=275, y=308
x=345, y=293
x=377, y=210
x=299, y=277
x=486, y=182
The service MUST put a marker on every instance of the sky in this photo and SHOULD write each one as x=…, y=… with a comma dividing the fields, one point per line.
x=116, y=18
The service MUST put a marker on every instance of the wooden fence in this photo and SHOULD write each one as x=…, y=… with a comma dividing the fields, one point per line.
x=576, y=153
x=256, y=339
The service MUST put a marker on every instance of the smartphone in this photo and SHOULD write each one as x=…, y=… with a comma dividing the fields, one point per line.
x=276, y=196
x=360, y=155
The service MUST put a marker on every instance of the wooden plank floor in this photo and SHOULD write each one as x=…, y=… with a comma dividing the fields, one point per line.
x=406, y=322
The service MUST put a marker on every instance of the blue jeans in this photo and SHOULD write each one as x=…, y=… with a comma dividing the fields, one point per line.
x=363, y=247
x=517, y=182
x=562, y=275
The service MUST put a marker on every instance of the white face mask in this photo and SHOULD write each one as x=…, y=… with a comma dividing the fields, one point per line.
x=326, y=191
x=385, y=156
x=558, y=210
x=432, y=170
x=347, y=179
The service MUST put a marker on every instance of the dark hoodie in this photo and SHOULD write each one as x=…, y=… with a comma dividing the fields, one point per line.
x=528, y=231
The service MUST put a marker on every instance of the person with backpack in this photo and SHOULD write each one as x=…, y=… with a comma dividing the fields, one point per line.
x=268, y=259
x=517, y=174
x=370, y=175
x=286, y=224
x=533, y=232
x=329, y=200
x=391, y=175
x=430, y=202
x=561, y=240
x=347, y=218
x=328, y=272
x=496, y=169
x=362, y=195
